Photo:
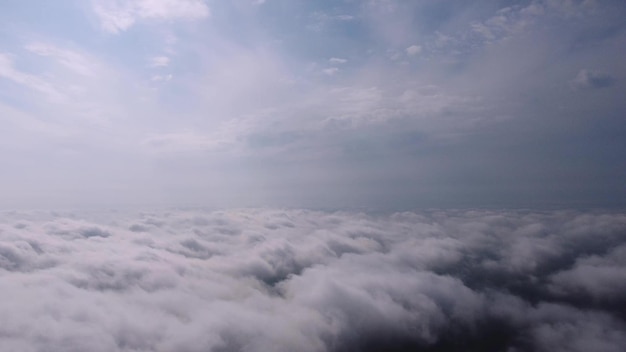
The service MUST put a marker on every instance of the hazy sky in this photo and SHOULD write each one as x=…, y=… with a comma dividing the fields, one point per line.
x=384, y=104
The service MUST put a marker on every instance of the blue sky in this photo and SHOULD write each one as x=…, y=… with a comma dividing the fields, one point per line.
x=376, y=104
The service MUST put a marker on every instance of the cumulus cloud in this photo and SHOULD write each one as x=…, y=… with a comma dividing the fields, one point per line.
x=413, y=50
x=285, y=280
x=601, y=279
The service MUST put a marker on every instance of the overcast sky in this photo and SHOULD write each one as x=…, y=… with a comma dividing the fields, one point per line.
x=378, y=104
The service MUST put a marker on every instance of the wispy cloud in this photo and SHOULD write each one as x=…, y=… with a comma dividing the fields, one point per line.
x=330, y=71
x=68, y=58
x=117, y=16
x=592, y=79
x=159, y=61
x=34, y=82
x=337, y=60
x=420, y=103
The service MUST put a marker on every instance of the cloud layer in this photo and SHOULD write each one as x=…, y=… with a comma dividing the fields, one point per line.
x=298, y=280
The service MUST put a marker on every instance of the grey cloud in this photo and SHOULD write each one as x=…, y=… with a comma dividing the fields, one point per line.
x=138, y=228
x=284, y=280
x=596, y=278
x=21, y=256
x=93, y=232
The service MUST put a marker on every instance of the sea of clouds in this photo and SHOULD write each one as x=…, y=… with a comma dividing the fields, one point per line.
x=300, y=280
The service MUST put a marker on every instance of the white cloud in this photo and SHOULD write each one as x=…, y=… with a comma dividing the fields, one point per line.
x=304, y=280
x=161, y=78
x=224, y=137
x=413, y=50
x=322, y=20
x=183, y=141
x=592, y=79
x=482, y=29
x=360, y=106
x=34, y=82
x=117, y=16
x=159, y=61
x=68, y=58
x=330, y=71
x=336, y=60
x=344, y=17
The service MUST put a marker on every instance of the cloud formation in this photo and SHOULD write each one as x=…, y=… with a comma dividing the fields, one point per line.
x=413, y=50
x=117, y=16
x=159, y=61
x=285, y=280
x=592, y=79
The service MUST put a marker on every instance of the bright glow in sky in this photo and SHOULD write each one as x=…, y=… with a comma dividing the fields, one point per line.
x=379, y=103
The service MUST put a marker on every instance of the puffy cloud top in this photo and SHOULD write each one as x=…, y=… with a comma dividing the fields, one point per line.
x=298, y=280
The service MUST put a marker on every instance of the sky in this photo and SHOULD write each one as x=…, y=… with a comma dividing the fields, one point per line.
x=339, y=104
